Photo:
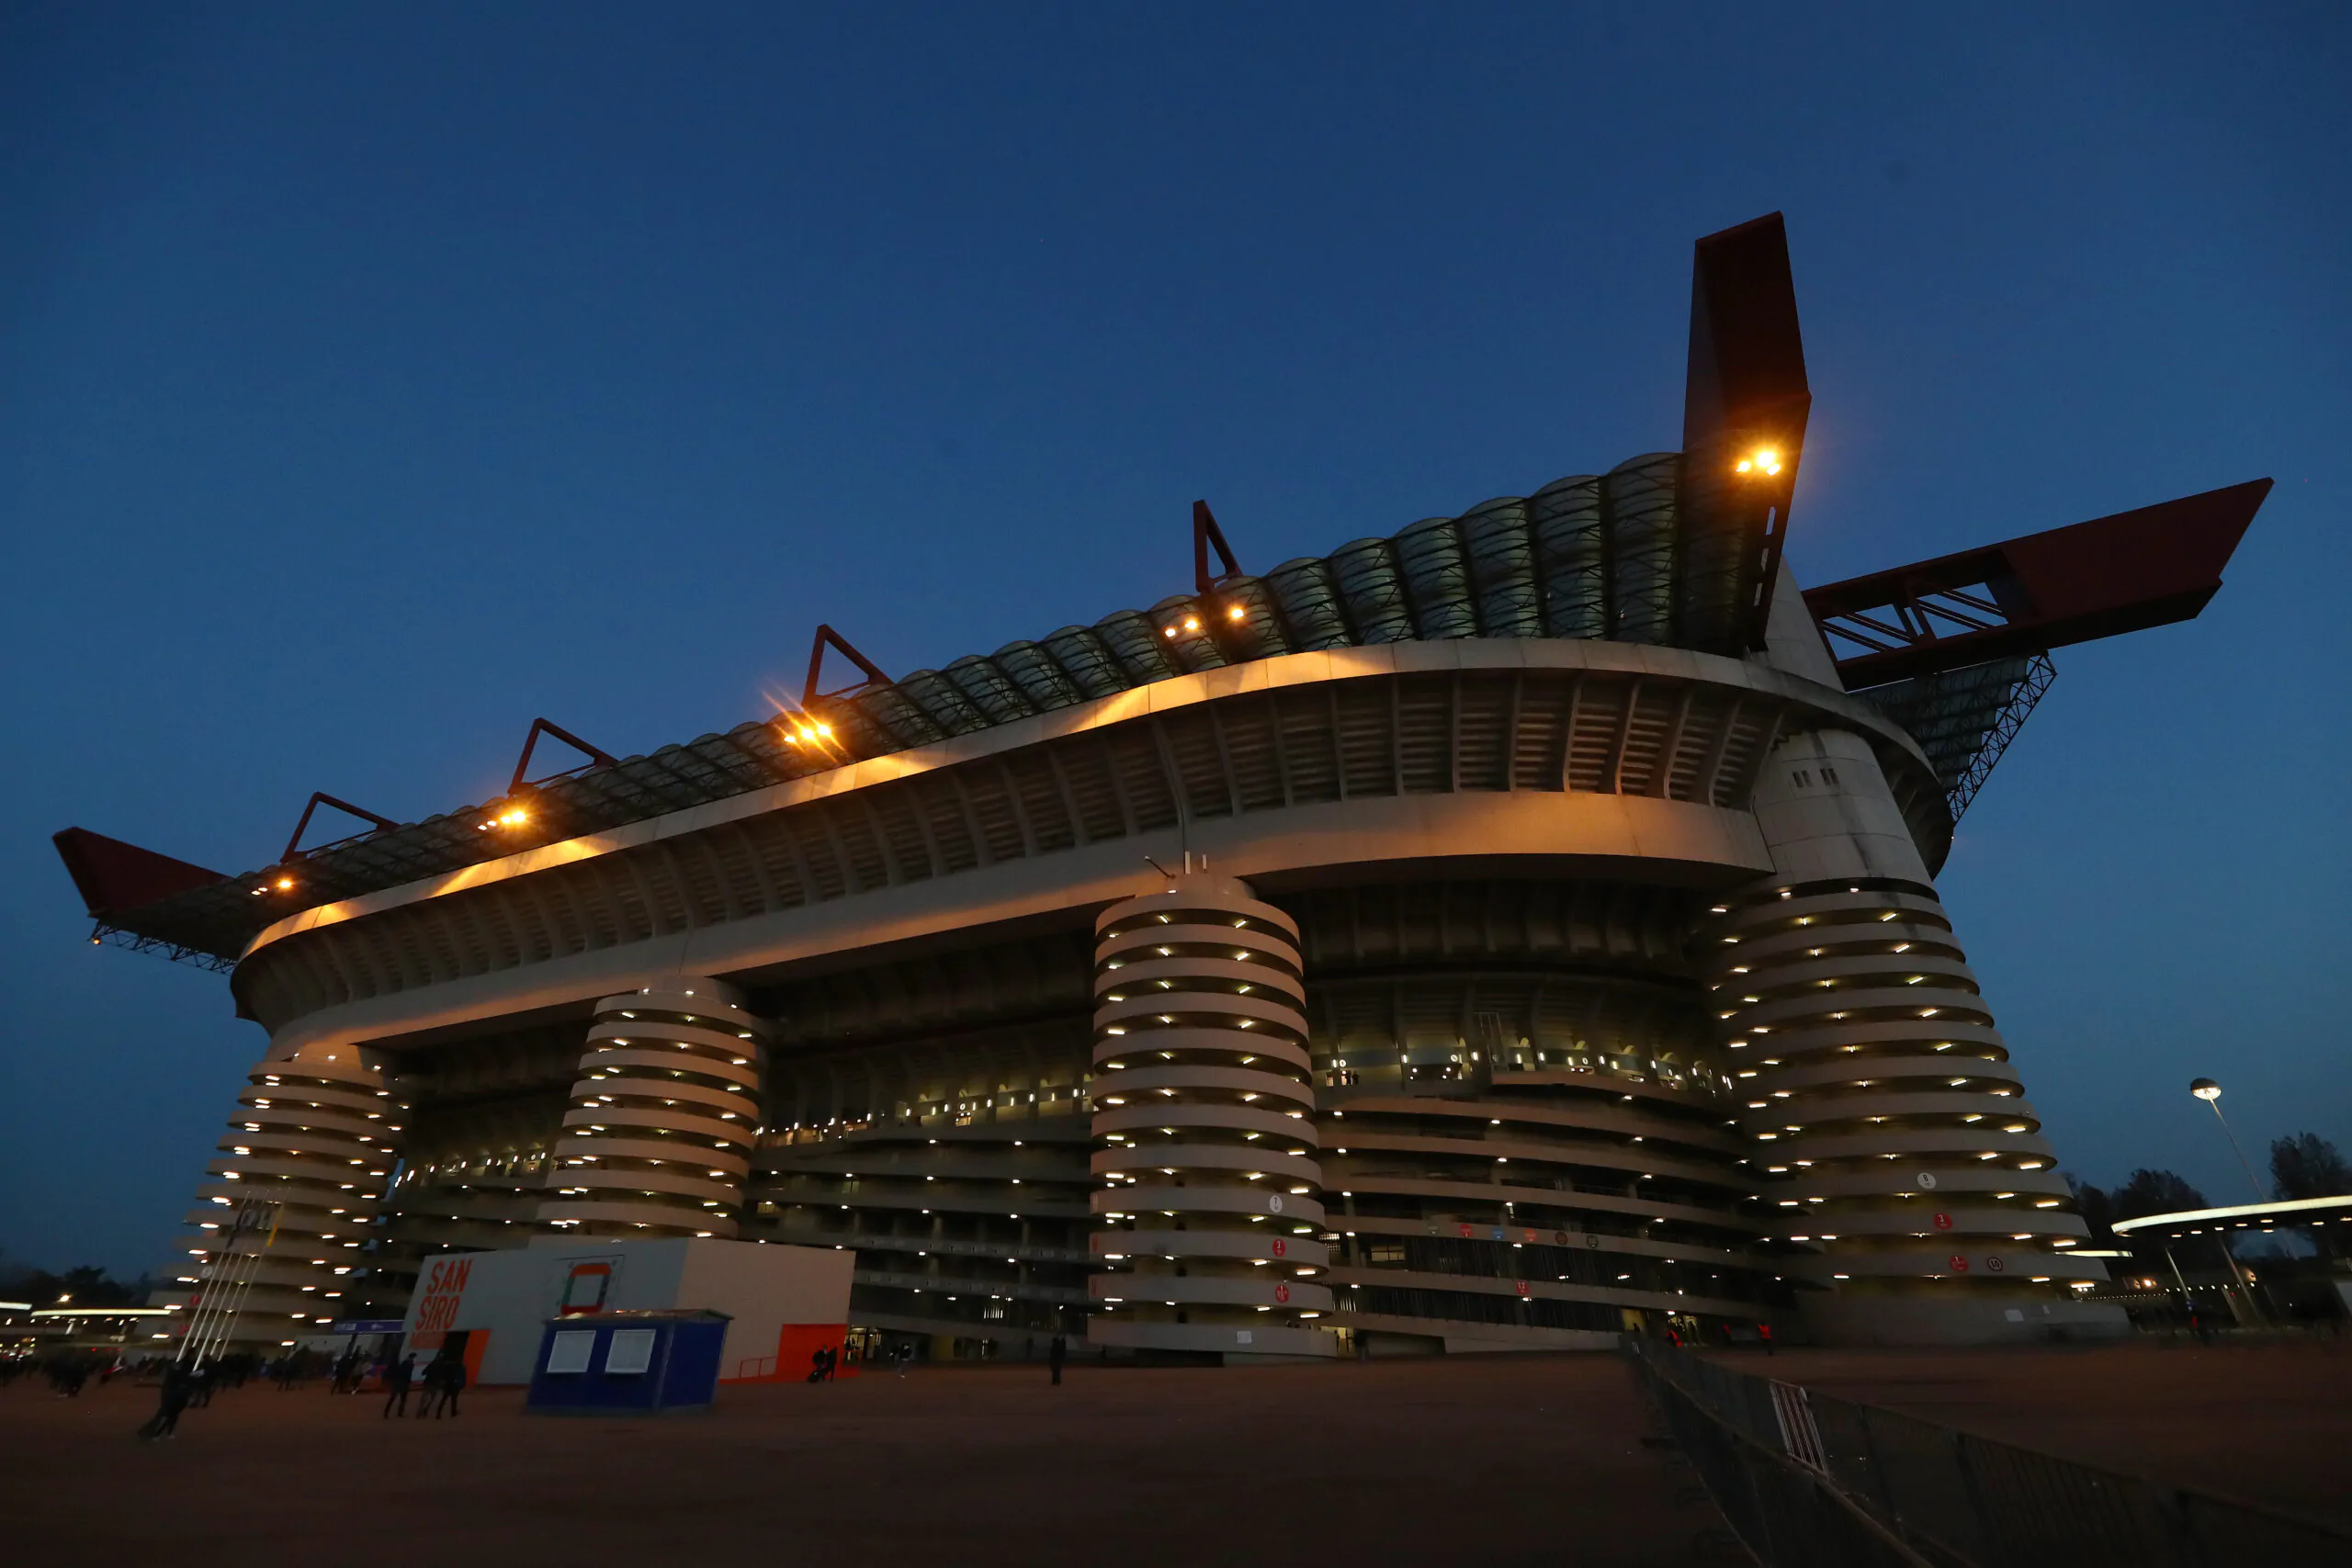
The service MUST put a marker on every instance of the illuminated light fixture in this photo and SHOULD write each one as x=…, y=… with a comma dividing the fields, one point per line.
x=1767, y=461
x=803, y=734
x=1235, y=612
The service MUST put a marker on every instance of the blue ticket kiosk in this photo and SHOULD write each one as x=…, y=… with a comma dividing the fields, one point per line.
x=627, y=1363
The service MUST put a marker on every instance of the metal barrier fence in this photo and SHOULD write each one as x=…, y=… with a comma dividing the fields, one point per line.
x=1784, y=1511
x=1952, y=1499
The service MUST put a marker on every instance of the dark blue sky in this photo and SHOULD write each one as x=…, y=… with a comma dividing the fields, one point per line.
x=373, y=379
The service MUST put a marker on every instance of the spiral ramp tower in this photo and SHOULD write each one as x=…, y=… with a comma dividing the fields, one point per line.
x=1204, y=1128
x=1903, y=1162
x=663, y=1119
x=281, y=1229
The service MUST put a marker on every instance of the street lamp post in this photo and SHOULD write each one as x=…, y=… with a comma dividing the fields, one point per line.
x=2210, y=1092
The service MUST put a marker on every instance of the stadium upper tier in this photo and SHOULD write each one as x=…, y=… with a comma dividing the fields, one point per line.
x=1673, y=550
x=1615, y=557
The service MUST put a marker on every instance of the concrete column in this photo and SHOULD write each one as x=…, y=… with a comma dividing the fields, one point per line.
x=1902, y=1157
x=1203, y=1129
x=664, y=1116
x=284, y=1220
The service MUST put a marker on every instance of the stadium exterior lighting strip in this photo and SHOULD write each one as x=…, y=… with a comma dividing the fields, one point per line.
x=2281, y=1209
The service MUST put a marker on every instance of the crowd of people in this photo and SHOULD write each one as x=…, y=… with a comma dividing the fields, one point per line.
x=182, y=1384
x=439, y=1384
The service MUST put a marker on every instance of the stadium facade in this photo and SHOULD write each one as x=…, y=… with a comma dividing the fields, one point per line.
x=1501, y=935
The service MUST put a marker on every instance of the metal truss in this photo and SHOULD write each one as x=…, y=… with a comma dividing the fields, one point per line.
x=105, y=935
x=2149, y=567
x=2038, y=673
x=1914, y=616
x=1963, y=719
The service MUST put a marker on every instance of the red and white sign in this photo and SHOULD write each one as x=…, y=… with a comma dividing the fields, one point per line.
x=1943, y=1222
x=1522, y=1287
x=1282, y=1292
x=436, y=1310
x=1959, y=1264
x=1282, y=1248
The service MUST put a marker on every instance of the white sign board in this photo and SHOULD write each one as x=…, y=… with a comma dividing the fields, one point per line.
x=569, y=1352
x=631, y=1351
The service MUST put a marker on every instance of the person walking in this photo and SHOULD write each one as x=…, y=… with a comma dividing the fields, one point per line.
x=444, y=1376
x=397, y=1377
x=168, y=1404
x=1057, y=1355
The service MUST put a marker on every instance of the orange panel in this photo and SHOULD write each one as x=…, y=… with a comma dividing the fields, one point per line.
x=795, y=1344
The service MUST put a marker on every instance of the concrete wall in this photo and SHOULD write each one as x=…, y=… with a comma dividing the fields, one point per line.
x=1630, y=827
x=1894, y=1321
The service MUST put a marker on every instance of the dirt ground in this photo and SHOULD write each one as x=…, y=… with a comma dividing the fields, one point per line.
x=1465, y=1460
x=2266, y=1423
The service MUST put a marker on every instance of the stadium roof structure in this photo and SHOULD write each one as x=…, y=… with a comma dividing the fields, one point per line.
x=1956, y=649
x=1672, y=548
x=2289, y=1211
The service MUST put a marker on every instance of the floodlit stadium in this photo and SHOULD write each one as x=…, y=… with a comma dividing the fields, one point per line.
x=1504, y=933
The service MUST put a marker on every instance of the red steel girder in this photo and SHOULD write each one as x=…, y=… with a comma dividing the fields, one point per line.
x=294, y=850
x=1207, y=534
x=114, y=877
x=521, y=780
x=828, y=637
x=1745, y=390
x=2148, y=567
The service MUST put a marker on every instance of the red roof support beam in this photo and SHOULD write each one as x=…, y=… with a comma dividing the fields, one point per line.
x=114, y=877
x=827, y=637
x=1206, y=533
x=2149, y=567
x=319, y=798
x=530, y=743
x=1745, y=393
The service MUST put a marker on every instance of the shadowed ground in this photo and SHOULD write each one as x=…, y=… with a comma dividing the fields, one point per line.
x=1488, y=1461
x=2266, y=1423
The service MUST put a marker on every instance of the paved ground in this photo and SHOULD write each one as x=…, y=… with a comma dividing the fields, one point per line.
x=1469, y=1461
x=2266, y=1423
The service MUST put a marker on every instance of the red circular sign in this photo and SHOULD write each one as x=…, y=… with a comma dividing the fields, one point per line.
x=1522, y=1287
x=1282, y=1248
x=1943, y=1222
x=1959, y=1264
x=1282, y=1292
x=1466, y=1230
